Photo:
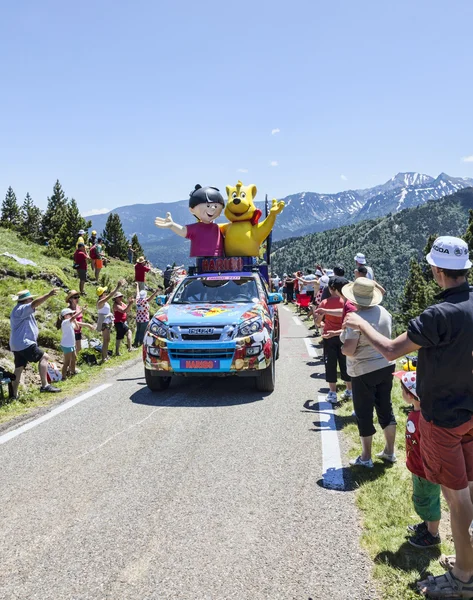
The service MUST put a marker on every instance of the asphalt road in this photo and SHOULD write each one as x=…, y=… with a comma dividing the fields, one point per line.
x=209, y=490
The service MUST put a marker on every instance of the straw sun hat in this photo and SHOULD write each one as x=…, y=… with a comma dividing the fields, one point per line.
x=363, y=291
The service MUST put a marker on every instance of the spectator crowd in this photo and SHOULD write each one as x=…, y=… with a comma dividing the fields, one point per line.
x=356, y=332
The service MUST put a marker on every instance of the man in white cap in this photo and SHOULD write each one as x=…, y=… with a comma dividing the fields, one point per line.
x=443, y=335
x=360, y=260
x=24, y=338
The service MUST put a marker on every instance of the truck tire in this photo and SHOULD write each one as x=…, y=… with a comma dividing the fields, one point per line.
x=266, y=380
x=157, y=383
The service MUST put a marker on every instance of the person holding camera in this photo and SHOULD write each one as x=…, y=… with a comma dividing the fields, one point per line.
x=141, y=268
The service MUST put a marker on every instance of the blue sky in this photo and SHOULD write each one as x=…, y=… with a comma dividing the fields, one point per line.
x=135, y=102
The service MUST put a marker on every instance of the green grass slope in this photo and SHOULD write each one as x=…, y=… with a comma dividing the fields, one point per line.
x=388, y=242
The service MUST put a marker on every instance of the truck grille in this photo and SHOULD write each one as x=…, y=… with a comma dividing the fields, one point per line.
x=200, y=338
x=201, y=353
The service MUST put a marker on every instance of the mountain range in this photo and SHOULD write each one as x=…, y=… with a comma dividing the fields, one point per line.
x=305, y=212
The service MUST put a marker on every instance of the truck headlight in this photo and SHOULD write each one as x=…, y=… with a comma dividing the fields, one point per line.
x=250, y=326
x=158, y=328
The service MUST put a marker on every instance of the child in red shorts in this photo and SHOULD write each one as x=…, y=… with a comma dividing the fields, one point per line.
x=426, y=495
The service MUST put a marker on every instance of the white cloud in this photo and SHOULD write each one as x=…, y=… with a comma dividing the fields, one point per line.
x=273, y=163
x=275, y=131
x=96, y=211
x=242, y=170
x=468, y=158
x=343, y=177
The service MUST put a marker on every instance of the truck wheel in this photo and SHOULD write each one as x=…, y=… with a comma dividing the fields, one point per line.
x=266, y=380
x=156, y=383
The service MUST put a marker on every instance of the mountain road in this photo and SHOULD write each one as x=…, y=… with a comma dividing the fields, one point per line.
x=209, y=490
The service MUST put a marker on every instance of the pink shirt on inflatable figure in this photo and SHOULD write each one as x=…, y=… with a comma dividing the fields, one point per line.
x=206, y=204
x=206, y=239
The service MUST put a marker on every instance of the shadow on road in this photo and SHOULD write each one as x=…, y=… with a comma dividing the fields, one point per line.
x=201, y=393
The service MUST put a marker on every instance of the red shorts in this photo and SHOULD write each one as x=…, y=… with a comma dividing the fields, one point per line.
x=447, y=454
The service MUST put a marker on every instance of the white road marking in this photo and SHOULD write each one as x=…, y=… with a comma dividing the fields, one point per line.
x=286, y=308
x=331, y=458
x=297, y=321
x=6, y=437
x=312, y=350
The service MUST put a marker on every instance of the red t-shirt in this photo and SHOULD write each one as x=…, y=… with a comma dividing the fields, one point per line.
x=206, y=239
x=140, y=271
x=332, y=323
x=80, y=258
x=413, y=457
x=348, y=307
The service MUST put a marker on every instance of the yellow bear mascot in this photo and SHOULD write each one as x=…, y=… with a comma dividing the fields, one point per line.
x=244, y=234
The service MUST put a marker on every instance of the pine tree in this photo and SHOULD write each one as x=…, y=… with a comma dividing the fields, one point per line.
x=53, y=218
x=414, y=300
x=72, y=222
x=468, y=237
x=115, y=239
x=426, y=270
x=10, y=217
x=31, y=217
x=135, y=244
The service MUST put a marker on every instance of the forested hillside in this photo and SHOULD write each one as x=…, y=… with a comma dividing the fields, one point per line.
x=388, y=242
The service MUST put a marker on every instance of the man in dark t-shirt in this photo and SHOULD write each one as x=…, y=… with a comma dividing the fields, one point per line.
x=443, y=336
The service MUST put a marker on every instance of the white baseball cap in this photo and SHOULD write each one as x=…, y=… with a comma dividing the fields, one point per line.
x=66, y=311
x=360, y=258
x=143, y=294
x=449, y=252
x=324, y=280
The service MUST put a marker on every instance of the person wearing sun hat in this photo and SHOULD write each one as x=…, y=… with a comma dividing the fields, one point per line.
x=105, y=315
x=443, y=336
x=370, y=372
x=24, y=338
x=426, y=495
x=141, y=268
x=120, y=314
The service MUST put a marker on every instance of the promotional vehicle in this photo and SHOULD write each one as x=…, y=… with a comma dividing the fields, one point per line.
x=217, y=324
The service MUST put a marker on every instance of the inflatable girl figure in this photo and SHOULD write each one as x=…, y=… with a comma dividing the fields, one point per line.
x=206, y=204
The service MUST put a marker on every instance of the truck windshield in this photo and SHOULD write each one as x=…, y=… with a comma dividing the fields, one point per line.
x=215, y=290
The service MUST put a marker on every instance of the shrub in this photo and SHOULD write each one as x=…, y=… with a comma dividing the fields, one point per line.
x=4, y=332
x=53, y=251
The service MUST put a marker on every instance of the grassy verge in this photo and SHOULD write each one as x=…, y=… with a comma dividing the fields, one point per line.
x=384, y=499
x=383, y=496
x=90, y=375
